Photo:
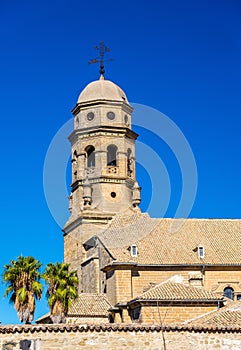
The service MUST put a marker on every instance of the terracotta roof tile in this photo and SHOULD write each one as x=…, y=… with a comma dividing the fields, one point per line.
x=157, y=244
x=227, y=316
x=113, y=327
x=174, y=291
x=125, y=230
x=90, y=304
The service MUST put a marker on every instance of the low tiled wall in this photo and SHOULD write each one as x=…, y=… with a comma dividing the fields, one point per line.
x=111, y=336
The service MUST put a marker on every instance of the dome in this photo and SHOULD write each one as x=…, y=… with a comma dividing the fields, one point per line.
x=102, y=90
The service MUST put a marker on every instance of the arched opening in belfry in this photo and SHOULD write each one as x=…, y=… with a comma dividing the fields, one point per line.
x=74, y=164
x=90, y=150
x=112, y=155
x=129, y=163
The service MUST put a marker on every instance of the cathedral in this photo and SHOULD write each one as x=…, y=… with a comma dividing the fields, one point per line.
x=131, y=267
x=142, y=285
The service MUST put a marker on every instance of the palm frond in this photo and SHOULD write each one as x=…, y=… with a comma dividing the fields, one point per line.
x=22, y=278
x=62, y=288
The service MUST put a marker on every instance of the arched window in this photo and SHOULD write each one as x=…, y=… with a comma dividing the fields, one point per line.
x=74, y=164
x=111, y=155
x=129, y=162
x=228, y=293
x=90, y=150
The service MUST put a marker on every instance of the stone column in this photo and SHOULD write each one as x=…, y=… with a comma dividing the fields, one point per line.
x=81, y=165
x=122, y=163
x=100, y=162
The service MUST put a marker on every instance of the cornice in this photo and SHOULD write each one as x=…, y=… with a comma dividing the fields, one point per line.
x=102, y=130
x=90, y=104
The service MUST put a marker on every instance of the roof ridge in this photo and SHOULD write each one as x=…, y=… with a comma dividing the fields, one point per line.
x=204, y=294
x=200, y=219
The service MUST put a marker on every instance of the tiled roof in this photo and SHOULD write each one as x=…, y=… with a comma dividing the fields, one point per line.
x=44, y=318
x=125, y=230
x=158, y=244
x=126, y=219
x=229, y=315
x=90, y=304
x=173, y=291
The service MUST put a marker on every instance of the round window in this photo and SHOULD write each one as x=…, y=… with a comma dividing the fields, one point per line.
x=113, y=194
x=111, y=115
x=90, y=116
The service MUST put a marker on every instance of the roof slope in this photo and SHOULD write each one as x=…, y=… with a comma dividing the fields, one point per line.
x=227, y=316
x=90, y=304
x=125, y=230
x=158, y=243
x=174, y=291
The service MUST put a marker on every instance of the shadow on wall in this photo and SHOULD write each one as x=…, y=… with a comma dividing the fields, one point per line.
x=22, y=345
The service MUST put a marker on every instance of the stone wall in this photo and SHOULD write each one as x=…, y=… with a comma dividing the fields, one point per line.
x=214, y=279
x=90, y=276
x=174, y=313
x=218, y=279
x=74, y=252
x=111, y=337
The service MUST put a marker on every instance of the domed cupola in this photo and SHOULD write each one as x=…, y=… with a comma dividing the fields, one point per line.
x=102, y=102
x=102, y=90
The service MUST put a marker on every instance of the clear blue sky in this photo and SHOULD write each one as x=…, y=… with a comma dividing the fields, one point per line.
x=182, y=58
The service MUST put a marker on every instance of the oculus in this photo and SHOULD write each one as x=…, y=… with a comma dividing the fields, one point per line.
x=111, y=115
x=90, y=116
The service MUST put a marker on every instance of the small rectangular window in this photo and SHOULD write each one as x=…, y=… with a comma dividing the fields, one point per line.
x=133, y=250
x=201, y=252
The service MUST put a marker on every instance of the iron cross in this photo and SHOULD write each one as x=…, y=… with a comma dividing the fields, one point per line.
x=101, y=59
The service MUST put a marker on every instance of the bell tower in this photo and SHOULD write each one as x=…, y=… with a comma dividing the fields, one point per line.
x=103, y=165
x=103, y=152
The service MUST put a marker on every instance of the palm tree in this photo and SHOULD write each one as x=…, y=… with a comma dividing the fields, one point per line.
x=62, y=289
x=22, y=278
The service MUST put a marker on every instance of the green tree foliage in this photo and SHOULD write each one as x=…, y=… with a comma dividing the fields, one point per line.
x=62, y=289
x=22, y=278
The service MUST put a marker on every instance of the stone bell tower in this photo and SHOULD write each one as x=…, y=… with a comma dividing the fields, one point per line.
x=103, y=151
x=103, y=165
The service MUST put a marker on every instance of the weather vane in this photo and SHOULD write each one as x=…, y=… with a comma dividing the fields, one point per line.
x=101, y=59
